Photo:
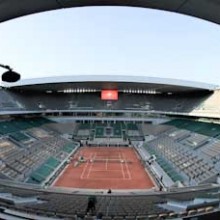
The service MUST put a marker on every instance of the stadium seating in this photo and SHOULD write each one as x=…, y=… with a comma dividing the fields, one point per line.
x=42, y=172
x=8, y=102
x=91, y=101
x=29, y=152
x=117, y=131
x=188, y=148
x=115, y=206
x=183, y=160
x=18, y=136
x=69, y=147
x=208, y=129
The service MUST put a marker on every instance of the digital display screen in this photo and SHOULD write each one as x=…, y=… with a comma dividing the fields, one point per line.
x=109, y=95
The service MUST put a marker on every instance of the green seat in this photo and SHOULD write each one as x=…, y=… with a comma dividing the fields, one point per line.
x=52, y=162
x=18, y=136
x=69, y=147
x=37, y=177
x=208, y=129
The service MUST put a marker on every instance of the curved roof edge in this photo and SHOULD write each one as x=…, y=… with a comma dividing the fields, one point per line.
x=205, y=9
x=111, y=78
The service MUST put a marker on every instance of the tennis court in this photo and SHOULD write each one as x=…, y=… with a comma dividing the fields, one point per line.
x=104, y=168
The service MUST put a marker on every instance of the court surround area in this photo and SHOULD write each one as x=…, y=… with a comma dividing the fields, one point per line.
x=105, y=168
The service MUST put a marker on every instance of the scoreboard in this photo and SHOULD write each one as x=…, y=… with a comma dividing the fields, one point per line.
x=109, y=95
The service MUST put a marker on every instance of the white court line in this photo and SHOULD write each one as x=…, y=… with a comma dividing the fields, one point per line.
x=101, y=178
x=126, y=166
x=128, y=170
x=106, y=164
x=84, y=169
x=122, y=168
x=91, y=164
x=106, y=170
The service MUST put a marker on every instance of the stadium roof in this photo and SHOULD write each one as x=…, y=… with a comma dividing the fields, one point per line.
x=205, y=9
x=110, y=82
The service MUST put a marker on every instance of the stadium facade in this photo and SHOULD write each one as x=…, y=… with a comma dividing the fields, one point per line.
x=135, y=94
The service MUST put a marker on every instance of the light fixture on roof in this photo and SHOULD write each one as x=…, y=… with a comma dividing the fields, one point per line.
x=9, y=76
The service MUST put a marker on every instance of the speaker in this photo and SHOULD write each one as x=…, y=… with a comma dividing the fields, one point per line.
x=10, y=76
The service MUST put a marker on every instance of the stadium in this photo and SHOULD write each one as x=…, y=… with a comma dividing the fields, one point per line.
x=143, y=147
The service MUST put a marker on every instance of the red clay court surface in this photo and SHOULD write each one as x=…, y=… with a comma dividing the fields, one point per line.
x=106, y=171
